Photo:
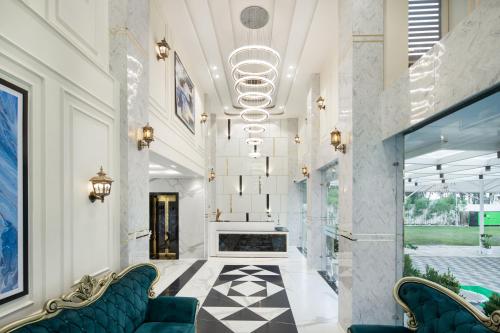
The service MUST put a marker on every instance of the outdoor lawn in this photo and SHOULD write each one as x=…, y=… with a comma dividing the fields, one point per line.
x=448, y=235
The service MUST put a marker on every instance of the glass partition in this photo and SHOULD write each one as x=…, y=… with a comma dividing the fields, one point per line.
x=303, y=217
x=452, y=202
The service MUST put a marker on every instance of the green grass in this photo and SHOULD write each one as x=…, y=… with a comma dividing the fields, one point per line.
x=448, y=235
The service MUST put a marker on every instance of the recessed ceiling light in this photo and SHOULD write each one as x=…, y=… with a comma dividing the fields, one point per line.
x=291, y=67
x=216, y=76
x=214, y=68
x=226, y=108
x=289, y=76
x=282, y=107
x=173, y=166
x=164, y=172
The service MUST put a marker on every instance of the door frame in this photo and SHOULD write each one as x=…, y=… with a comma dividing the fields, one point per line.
x=176, y=194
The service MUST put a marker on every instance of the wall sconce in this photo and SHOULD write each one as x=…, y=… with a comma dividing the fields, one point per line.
x=211, y=175
x=305, y=171
x=162, y=49
x=267, y=166
x=296, y=139
x=336, y=141
x=321, y=103
x=229, y=129
x=204, y=117
x=487, y=168
x=147, y=137
x=101, y=186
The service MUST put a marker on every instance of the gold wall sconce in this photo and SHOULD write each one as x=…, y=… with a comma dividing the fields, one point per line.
x=296, y=139
x=305, y=171
x=211, y=175
x=148, y=136
x=204, y=117
x=162, y=50
x=321, y=103
x=101, y=186
x=336, y=141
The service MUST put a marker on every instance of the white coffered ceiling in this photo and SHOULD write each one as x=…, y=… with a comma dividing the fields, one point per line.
x=300, y=30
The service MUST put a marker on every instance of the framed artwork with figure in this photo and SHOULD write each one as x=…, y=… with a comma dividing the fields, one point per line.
x=13, y=191
x=184, y=95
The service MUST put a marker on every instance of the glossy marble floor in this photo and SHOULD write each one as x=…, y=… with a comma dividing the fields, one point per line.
x=288, y=282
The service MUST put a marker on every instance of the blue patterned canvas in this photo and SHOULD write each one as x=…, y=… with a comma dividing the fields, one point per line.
x=11, y=207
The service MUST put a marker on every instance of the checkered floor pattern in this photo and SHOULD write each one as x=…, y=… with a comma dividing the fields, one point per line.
x=470, y=271
x=247, y=299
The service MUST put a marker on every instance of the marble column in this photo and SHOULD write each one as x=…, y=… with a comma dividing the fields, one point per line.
x=293, y=199
x=370, y=174
x=314, y=230
x=129, y=56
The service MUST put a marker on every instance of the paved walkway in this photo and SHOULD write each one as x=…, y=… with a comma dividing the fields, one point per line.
x=465, y=262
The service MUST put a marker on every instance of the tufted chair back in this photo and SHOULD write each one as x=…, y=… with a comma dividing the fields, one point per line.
x=121, y=309
x=435, y=311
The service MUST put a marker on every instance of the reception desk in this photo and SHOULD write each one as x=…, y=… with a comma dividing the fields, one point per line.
x=247, y=239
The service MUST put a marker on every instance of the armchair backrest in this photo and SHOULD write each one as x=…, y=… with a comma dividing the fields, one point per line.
x=117, y=303
x=433, y=308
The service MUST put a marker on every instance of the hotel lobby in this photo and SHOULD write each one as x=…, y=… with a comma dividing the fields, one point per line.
x=250, y=166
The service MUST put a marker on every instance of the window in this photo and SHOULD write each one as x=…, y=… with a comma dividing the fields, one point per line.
x=424, y=27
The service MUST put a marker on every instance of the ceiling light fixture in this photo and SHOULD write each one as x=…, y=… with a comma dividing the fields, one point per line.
x=254, y=114
x=254, y=128
x=254, y=141
x=261, y=100
x=254, y=82
x=266, y=51
x=254, y=153
x=247, y=68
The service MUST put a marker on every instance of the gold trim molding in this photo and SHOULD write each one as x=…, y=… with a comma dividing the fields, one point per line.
x=492, y=322
x=86, y=291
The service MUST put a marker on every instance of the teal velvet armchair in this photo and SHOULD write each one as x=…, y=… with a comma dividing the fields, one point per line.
x=431, y=308
x=119, y=303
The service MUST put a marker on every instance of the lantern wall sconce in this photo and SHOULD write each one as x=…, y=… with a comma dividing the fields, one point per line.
x=321, y=103
x=305, y=171
x=148, y=136
x=336, y=141
x=101, y=186
x=162, y=50
x=211, y=175
x=296, y=139
x=204, y=117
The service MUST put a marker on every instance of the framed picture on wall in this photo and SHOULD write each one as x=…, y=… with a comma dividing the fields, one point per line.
x=184, y=95
x=13, y=191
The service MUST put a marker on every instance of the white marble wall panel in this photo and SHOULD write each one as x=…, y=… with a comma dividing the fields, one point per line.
x=281, y=146
x=258, y=203
x=222, y=202
x=275, y=203
x=241, y=204
x=282, y=183
x=251, y=185
x=268, y=185
x=278, y=166
x=462, y=64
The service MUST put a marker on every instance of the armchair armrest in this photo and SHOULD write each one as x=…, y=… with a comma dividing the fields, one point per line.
x=378, y=329
x=172, y=309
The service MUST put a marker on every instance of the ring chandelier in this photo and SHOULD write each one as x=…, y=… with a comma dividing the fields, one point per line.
x=254, y=99
x=254, y=128
x=274, y=55
x=254, y=82
x=254, y=114
x=254, y=141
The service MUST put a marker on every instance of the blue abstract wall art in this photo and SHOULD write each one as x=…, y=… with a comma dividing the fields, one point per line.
x=13, y=192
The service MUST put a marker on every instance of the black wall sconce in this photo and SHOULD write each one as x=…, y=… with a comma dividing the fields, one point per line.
x=438, y=167
x=268, y=208
x=267, y=166
x=336, y=141
x=487, y=168
x=229, y=129
x=481, y=176
x=443, y=181
x=441, y=175
x=241, y=185
x=148, y=136
x=162, y=49
x=101, y=186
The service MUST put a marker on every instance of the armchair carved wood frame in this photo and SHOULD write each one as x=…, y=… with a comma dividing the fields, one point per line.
x=492, y=322
x=85, y=292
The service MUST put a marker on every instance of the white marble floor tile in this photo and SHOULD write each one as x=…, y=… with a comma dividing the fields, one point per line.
x=314, y=304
